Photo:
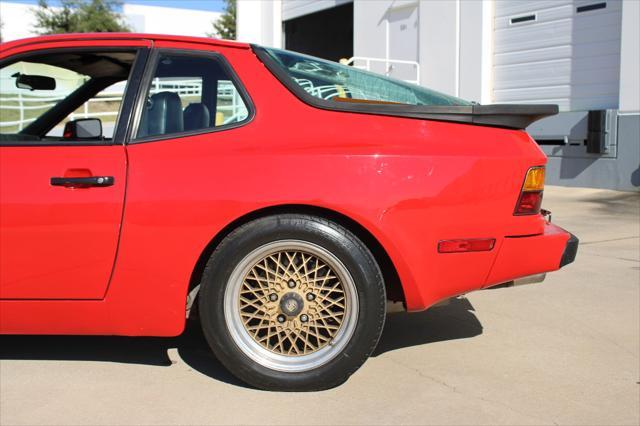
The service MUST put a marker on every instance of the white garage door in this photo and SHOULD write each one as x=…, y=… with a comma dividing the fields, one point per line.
x=295, y=8
x=558, y=51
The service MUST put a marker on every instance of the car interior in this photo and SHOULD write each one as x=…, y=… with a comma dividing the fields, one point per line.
x=103, y=69
x=187, y=93
x=172, y=111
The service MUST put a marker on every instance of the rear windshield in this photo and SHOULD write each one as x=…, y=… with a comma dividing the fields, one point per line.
x=332, y=81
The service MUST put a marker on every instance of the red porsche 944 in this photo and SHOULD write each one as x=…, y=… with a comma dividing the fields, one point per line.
x=282, y=197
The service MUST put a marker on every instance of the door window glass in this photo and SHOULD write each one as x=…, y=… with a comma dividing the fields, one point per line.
x=21, y=106
x=41, y=94
x=105, y=106
x=190, y=93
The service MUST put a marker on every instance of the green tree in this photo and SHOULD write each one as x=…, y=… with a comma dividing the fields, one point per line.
x=225, y=26
x=80, y=16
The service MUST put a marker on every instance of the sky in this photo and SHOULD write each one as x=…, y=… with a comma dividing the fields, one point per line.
x=211, y=5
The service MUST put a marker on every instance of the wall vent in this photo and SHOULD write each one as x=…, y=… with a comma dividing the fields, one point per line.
x=521, y=19
x=588, y=7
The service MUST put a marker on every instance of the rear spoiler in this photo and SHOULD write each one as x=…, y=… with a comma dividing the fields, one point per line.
x=511, y=116
x=499, y=115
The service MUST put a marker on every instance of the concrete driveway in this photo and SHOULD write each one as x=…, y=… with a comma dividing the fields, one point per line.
x=562, y=352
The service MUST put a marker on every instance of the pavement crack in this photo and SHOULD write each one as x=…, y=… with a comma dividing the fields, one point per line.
x=454, y=389
x=586, y=243
x=626, y=259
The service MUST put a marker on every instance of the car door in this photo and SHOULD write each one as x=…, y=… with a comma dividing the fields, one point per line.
x=62, y=192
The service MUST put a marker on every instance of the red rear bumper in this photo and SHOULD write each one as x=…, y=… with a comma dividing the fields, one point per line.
x=529, y=255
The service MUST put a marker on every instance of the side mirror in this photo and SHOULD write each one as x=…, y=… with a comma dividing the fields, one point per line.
x=84, y=128
x=34, y=82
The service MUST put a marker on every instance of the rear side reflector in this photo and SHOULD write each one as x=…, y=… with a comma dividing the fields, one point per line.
x=462, y=246
x=530, y=199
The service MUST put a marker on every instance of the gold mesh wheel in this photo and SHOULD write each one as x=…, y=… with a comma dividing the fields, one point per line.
x=291, y=305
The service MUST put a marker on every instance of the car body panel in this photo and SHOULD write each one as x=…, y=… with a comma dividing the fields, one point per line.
x=409, y=182
x=57, y=242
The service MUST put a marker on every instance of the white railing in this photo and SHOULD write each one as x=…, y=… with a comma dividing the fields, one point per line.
x=183, y=88
x=389, y=65
x=23, y=104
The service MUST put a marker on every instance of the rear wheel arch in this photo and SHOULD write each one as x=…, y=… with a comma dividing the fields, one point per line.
x=394, y=289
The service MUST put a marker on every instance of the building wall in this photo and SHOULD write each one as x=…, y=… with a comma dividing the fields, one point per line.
x=295, y=9
x=260, y=22
x=630, y=58
x=621, y=170
x=456, y=55
x=369, y=37
x=19, y=22
x=169, y=20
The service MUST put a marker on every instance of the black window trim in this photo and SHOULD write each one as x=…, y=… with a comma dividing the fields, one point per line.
x=146, y=83
x=124, y=113
x=510, y=116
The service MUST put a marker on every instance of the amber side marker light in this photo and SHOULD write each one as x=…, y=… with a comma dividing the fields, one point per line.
x=530, y=199
x=463, y=246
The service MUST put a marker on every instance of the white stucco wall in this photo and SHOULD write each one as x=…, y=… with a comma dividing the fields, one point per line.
x=630, y=57
x=259, y=22
x=476, y=50
x=369, y=37
x=439, y=45
x=454, y=42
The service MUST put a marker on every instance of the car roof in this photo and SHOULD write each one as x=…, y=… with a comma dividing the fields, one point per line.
x=123, y=36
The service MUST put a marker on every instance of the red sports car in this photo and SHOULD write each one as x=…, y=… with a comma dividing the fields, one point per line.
x=283, y=197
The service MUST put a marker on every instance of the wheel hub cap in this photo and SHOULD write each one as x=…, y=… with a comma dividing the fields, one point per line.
x=291, y=304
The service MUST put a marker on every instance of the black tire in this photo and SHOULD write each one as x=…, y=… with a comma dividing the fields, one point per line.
x=354, y=255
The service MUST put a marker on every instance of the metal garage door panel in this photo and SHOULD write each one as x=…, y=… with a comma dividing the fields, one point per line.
x=296, y=8
x=553, y=11
x=600, y=48
x=559, y=56
x=514, y=7
x=537, y=74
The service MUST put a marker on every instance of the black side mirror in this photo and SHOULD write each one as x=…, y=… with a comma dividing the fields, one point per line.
x=83, y=128
x=34, y=82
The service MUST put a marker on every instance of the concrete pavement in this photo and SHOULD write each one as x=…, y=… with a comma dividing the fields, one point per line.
x=565, y=351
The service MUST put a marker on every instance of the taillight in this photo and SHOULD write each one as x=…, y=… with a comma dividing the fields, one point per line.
x=531, y=195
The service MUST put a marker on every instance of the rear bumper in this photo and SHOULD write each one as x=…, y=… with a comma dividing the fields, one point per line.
x=525, y=256
x=570, y=251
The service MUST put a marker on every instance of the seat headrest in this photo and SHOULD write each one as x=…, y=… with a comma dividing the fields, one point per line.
x=163, y=115
x=196, y=117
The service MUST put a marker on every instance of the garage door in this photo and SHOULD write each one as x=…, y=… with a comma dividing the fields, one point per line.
x=557, y=51
x=295, y=8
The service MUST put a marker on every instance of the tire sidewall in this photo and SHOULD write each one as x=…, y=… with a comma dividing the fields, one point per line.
x=347, y=248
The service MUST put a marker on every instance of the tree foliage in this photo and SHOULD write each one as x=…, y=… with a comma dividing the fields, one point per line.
x=225, y=26
x=80, y=16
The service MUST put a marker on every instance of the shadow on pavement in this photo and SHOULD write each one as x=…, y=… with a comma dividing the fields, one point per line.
x=615, y=203
x=454, y=321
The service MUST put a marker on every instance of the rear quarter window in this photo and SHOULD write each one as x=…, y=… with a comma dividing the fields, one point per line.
x=340, y=83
